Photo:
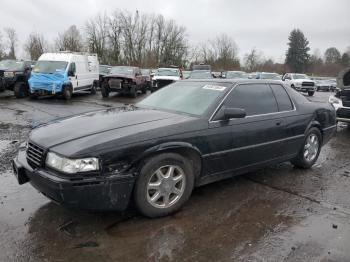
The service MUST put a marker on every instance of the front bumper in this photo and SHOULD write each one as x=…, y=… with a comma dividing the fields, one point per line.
x=92, y=193
x=305, y=88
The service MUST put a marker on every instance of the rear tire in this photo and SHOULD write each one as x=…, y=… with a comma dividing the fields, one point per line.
x=93, y=88
x=303, y=159
x=67, y=93
x=311, y=93
x=133, y=91
x=20, y=90
x=164, y=185
x=105, y=89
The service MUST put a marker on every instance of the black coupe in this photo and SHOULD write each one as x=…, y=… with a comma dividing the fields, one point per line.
x=187, y=134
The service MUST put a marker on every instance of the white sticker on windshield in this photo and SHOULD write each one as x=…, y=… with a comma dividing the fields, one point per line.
x=216, y=88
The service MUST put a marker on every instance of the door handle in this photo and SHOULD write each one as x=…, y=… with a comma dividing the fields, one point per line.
x=279, y=122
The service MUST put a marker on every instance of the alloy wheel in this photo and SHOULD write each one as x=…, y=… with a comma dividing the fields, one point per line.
x=166, y=186
x=311, y=147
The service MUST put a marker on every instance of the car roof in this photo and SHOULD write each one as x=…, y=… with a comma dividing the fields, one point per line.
x=235, y=81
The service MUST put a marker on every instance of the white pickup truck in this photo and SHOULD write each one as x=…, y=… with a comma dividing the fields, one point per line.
x=300, y=82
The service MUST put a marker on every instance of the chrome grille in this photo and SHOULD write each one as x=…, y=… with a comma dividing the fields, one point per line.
x=35, y=155
x=308, y=84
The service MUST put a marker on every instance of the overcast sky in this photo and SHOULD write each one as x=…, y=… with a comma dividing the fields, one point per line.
x=251, y=23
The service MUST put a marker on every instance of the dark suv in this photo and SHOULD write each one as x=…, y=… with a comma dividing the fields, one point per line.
x=14, y=76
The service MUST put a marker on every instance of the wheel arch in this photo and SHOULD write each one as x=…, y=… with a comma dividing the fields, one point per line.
x=184, y=149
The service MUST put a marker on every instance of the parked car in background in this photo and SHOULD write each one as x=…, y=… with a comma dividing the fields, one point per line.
x=201, y=67
x=185, y=135
x=165, y=76
x=126, y=80
x=186, y=74
x=341, y=99
x=14, y=76
x=146, y=73
x=64, y=73
x=200, y=74
x=104, y=70
x=234, y=74
x=323, y=85
x=264, y=75
x=300, y=82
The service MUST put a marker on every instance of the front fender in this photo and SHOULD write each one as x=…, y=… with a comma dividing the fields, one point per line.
x=165, y=147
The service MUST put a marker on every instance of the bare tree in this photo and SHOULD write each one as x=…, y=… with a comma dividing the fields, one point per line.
x=220, y=52
x=96, y=31
x=2, y=48
x=253, y=60
x=12, y=41
x=35, y=45
x=70, y=40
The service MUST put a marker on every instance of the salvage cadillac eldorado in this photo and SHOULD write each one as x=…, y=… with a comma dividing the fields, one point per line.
x=185, y=135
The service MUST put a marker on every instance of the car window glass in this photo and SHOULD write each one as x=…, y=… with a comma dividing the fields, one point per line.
x=255, y=99
x=283, y=100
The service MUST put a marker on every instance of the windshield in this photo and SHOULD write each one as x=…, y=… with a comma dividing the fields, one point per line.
x=269, y=76
x=300, y=76
x=122, y=70
x=167, y=72
x=104, y=69
x=145, y=72
x=200, y=75
x=193, y=98
x=11, y=64
x=232, y=75
x=50, y=67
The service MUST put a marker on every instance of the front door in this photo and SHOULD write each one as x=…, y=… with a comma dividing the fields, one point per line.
x=250, y=141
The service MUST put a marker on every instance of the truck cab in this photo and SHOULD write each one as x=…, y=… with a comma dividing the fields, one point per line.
x=64, y=73
x=300, y=82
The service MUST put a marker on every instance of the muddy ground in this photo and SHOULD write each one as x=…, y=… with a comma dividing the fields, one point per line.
x=277, y=214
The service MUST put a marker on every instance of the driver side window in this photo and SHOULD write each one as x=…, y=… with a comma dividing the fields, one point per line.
x=255, y=99
x=72, y=69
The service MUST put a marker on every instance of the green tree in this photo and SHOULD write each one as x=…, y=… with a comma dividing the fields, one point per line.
x=297, y=56
x=332, y=56
x=345, y=60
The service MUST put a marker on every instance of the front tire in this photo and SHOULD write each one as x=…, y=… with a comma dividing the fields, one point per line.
x=310, y=151
x=105, y=90
x=133, y=91
x=164, y=185
x=20, y=90
x=311, y=93
x=67, y=93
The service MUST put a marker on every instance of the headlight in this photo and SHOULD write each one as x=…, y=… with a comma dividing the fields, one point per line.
x=297, y=84
x=9, y=74
x=71, y=165
x=334, y=100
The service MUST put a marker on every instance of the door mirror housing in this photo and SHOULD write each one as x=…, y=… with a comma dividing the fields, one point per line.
x=227, y=113
x=234, y=113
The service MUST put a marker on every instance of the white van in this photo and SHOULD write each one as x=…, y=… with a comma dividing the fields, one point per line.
x=64, y=73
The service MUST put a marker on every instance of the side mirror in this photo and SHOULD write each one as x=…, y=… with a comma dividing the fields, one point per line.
x=71, y=73
x=234, y=113
x=226, y=113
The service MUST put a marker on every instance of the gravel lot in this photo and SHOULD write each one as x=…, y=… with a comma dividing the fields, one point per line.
x=277, y=214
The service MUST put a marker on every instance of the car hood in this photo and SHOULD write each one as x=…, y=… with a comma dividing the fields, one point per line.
x=303, y=80
x=174, y=78
x=119, y=76
x=100, y=127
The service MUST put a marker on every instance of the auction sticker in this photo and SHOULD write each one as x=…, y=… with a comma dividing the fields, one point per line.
x=213, y=87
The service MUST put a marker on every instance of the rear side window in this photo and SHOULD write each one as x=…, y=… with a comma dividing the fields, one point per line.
x=283, y=100
x=255, y=99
